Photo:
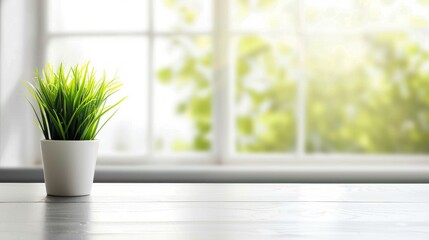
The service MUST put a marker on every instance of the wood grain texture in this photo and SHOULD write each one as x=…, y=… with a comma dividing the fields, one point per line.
x=218, y=211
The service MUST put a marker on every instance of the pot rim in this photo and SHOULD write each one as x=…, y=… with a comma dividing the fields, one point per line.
x=44, y=140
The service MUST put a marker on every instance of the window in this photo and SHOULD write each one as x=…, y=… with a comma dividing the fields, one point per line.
x=218, y=81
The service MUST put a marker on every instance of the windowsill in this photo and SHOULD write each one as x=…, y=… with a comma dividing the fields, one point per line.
x=241, y=174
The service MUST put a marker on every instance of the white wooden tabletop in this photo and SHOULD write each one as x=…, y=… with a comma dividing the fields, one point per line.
x=218, y=211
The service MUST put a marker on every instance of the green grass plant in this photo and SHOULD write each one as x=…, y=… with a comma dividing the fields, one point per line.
x=72, y=101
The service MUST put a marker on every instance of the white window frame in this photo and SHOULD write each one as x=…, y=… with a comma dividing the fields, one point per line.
x=223, y=142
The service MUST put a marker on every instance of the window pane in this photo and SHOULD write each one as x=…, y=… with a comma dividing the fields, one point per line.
x=96, y=15
x=396, y=13
x=263, y=15
x=183, y=94
x=126, y=132
x=368, y=95
x=265, y=72
x=183, y=15
x=331, y=14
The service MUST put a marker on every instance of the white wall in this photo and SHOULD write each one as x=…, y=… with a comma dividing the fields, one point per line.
x=18, y=50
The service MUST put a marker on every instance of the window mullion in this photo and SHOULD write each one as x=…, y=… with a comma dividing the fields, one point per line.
x=150, y=82
x=221, y=101
x=302, y=85
x=43, y=42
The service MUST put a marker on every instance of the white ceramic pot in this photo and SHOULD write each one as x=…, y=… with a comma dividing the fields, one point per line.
x=69, y=166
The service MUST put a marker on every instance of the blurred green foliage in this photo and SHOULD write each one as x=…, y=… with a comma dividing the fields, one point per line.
x=186, y=13
x=193, y=72
x=265, y=95
x=380, y=105
x=374, y=99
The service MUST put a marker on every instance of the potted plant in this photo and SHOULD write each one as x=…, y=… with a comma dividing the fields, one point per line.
x=71, y=104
